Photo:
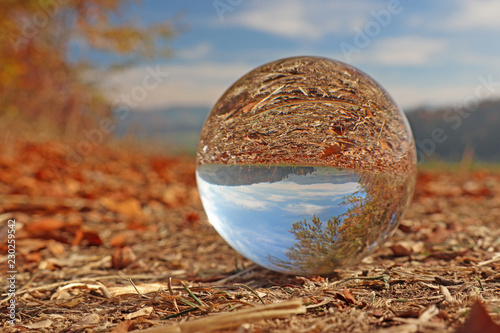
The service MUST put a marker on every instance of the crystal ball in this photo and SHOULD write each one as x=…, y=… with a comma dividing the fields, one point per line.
x=305, y=165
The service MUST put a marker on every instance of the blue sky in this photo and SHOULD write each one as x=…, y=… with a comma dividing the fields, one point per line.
x=423, y=52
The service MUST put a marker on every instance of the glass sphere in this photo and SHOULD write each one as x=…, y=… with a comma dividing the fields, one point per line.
x=305, y=165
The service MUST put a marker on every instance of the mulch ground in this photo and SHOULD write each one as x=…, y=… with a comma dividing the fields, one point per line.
x=117, y=241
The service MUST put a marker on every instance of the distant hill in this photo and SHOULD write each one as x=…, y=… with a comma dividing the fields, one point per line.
x=177, y=127
x=445, y=133
x=147, y=123
x=440, y=133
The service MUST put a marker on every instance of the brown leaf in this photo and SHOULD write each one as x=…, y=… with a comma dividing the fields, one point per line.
x=446, y=255
x=123, y=327
x=175, y=195
x=192, y=218
x=34, y=257
x=40, y=324
x=56, y=248
x=136, y=226
x=44, y=225
x=88, y=319
x=123, y=257
x=317, y=278
x=479, y=321
x=331, y=150
x=130, y=207
x=401, y=249
x=350, y=297
x=119, y=240
x=146, y=311
x=438, y=235
x=89, y=238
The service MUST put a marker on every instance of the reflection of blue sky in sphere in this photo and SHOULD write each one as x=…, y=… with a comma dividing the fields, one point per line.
x=256, y=219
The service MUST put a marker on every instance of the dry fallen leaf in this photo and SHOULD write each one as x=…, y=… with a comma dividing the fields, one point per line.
x=119, y=240
x=406, y=248
x=44, y=225
x=89, y=319
x=479, y=321
x=40, y=324
x=56, y=248
x=87, y=237
x=331, y=150
x=401, y=249
x=123, y=327
x=130, y=207
x=123, y=257
x=140, y=313
x=349, y=297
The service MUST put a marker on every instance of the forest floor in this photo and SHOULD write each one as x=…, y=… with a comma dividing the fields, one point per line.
x=117, y=241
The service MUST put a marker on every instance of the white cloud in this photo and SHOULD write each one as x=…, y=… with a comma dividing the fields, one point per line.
x=191, y=84
x=438, y=95
x=405, y=50
x=304, y=208
x=298, y=18
x=196, y=52
x=472, y=14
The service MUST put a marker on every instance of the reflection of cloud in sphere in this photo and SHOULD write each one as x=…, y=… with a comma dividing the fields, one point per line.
x=256, y=219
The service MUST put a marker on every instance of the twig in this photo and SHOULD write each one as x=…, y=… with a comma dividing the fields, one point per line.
x=171, y=291
x=103, y=289
x=235, y=318
x=492, y=260
x=137, y=290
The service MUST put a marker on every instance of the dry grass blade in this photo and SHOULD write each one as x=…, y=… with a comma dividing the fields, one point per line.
x=185, y=301
x=251, y=290
x=235, y=318
x=193, y=295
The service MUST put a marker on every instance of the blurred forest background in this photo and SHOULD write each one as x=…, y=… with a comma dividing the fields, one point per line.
x=46, y=90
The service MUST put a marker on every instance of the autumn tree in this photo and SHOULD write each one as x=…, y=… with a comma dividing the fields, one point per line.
x=39, y=83
x=371, y=216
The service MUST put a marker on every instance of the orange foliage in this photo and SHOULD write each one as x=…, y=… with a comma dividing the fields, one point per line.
x=37, y=80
